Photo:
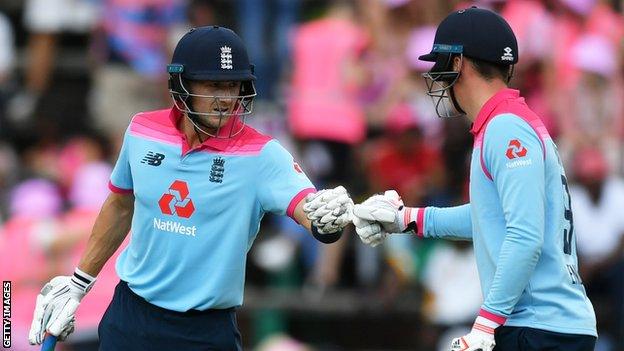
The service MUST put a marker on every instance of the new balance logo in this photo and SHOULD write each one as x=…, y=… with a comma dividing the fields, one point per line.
x=153, y=159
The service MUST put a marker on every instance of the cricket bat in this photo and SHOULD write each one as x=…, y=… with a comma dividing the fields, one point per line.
x=49, y=342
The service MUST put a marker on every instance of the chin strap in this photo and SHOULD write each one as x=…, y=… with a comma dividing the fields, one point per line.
x=197, y=133
x=455, y=103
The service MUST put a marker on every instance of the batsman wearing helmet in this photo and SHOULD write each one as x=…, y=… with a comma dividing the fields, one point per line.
x=519, y=216
x=192, y=183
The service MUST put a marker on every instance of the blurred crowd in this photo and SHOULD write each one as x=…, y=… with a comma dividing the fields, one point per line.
x=340, y=85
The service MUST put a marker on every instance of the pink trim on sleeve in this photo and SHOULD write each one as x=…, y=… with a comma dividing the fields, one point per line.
x=478, y=145
x=118, y=190
x=295, y=201
x=407, y=215
x=493, y=317
x=420, y=219
x=540, y=130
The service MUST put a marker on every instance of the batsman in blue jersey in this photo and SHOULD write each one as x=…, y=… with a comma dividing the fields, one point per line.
x=519, y=217
x=192, y=183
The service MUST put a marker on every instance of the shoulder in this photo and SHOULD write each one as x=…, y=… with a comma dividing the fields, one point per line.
x=275, y=155
x=515, y=116
x=509, y=126
x=253, y=137
x=153, y=118
x=273, y=150
x=507, y=122
x=249, y=142
x=154, y=125
x=510, y=141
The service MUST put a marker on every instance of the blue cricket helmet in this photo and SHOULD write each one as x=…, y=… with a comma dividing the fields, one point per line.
x=474, y=33
x=211, y=53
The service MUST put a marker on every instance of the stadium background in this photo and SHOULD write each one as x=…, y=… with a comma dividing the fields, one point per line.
x=340, y=85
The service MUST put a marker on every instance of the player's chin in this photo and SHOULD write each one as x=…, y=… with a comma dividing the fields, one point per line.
x=215, y=122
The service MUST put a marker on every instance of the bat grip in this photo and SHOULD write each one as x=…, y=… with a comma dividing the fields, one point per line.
x=49, y=342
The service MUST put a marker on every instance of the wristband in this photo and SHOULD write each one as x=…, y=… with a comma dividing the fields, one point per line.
x=328, y=238
x=82, y=280
x=487, y=322
x=413, y=220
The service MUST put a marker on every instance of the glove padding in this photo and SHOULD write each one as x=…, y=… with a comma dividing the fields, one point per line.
x=473, y=341
x=329, y=210
x=384, y=209
x=55, y=309
x=370, y=232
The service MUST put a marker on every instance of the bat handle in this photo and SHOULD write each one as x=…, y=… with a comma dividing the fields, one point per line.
x=49, y=342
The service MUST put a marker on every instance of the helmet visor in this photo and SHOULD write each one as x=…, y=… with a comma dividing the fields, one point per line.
x=440, y=81
x=221, y=118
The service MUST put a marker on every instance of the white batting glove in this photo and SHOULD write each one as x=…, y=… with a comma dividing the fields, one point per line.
x=56, y=306
x=473, y=342
x=370, y=232
x=329, y=210
x=481, y=337
x=388, y=210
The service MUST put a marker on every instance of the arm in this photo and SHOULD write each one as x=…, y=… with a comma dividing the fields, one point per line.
x=300, y=216
x=383, y=214
x=113, y=223
x=452, y=223
x=111, y=228
x=522, y=197
x=284, y=188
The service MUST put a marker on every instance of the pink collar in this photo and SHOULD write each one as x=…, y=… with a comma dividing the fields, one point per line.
x=219, y=144
x=489, y=107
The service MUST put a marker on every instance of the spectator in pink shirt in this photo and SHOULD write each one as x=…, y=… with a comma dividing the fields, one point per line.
x=27, y=252
x=323, y=105
x=323, y=99
x=593, y=112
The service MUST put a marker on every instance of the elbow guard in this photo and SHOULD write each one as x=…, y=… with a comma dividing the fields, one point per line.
x=326, y=238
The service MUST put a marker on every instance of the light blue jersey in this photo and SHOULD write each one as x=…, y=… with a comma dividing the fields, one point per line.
x=520, y=221
x=197, y=212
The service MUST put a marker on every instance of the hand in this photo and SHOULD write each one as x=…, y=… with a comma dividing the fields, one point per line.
x=473, y=341
x=386, y=209
x=56, y=306
x=329, y=210
x=370, y=232
x=481, y=337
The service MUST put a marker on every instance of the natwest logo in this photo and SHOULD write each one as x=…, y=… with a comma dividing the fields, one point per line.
x=515, y=149
x=177, y=201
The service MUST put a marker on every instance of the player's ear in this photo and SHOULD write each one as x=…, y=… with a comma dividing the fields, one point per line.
x=457, y=63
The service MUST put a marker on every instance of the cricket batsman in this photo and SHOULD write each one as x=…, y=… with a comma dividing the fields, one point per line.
x=519, y=216
x=192, y=183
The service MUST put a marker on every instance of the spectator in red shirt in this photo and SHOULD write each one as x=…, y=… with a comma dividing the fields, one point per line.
x=402, y=160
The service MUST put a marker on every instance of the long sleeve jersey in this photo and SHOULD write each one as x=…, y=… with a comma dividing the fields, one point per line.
x=520, y=222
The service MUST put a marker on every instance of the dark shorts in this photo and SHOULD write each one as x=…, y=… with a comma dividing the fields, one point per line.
x=530, y=339
x=132, y=323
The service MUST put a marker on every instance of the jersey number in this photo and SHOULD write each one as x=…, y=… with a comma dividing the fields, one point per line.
x=567, y=214
x=568, y=235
